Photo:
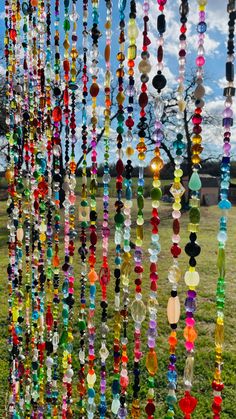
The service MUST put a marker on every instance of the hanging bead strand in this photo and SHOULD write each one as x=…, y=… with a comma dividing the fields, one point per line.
x=92, y=275
x=192, y=249
x=54, y=214
x=224, y=205
x=119, y=217
x=158, y=82
x=126, y=266
x=104, y=273
x=138, y=309
x=83, y=219
x=177, y=190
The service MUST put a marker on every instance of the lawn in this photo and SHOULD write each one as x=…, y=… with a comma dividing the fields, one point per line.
x=205, y=315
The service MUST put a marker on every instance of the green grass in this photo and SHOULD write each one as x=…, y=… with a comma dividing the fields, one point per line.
x=205, y=315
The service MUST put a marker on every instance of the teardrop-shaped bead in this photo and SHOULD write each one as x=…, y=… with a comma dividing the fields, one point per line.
x=195, y=183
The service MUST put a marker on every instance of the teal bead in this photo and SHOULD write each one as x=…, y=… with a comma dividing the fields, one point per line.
x=225, y=204
x=195, y=183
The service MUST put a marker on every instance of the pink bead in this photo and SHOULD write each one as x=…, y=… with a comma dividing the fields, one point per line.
x=190, y=321
x=189, y=346
x=200, y=61
x=176, y=214
x=146, y=7
x=228, y=113
x=227, y=147
x=202, y=16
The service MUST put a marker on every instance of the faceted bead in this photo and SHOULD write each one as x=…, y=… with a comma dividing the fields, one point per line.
x=191, y=278
x=219, y=335
x=190, y=334
x=194, y=215
x=138, y=311
x=187, y=404
x=150, y=409
x=57, y=114
x=174, y=274
x=188, y=371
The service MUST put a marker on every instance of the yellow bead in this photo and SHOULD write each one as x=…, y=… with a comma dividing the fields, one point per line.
x=193, y=228
x=151, y=362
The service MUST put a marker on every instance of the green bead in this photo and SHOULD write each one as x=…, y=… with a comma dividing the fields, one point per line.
x=156, y=194
x=140, y=201
x=151, y=382
x=66, y=25
x=82, y=325
x=195, y=183
x=49, y=252
x=57, y=217
x=194, y=215
x=64, y=338
x=119, y=219
x=84, y=224
x=221, y=262
x=36, y=174
x=93, y=186
x=120, y=130
x=84, y=203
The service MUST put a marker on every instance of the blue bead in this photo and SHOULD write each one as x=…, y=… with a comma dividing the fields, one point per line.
x=172, y=376
x=202, y=27
x=224, y=204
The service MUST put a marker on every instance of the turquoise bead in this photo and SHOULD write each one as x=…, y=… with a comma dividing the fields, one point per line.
x=224, y=204
x=195, y=183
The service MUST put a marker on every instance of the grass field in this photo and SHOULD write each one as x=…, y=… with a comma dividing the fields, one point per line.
x=205, y=315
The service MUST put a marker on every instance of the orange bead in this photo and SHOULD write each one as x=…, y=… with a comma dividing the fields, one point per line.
x=190, y=334
x=92, y=276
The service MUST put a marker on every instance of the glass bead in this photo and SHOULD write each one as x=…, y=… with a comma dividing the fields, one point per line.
x=138, y=311
x=192, y=279
x=173, y=310
x=195, y=182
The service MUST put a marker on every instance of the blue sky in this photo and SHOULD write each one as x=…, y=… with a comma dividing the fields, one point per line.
x=215, y=47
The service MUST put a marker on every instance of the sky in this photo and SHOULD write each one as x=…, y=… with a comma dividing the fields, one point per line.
x=215, y=49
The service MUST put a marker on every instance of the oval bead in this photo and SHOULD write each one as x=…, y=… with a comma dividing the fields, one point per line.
x=173, y=310
x=191, y=279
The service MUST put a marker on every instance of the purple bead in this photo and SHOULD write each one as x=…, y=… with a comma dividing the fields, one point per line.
x=228, y=113
x=202, y=15
x=151, y=342
x=190, y=304
x=152, y=324
x=192, y=294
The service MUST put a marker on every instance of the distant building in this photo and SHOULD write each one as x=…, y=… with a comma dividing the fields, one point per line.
x=210, y=189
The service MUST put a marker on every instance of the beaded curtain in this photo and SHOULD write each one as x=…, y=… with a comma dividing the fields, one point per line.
x=75, y=278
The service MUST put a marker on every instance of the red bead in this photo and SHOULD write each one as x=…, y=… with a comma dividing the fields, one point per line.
x=217, y=386
x=176, y=226
x=188, y=403
x=160, y=54
x=150, y=408
x=175, y=250
x=119, y=167
x=57, y=114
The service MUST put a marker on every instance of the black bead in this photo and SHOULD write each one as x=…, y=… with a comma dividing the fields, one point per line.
x=159, y=81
